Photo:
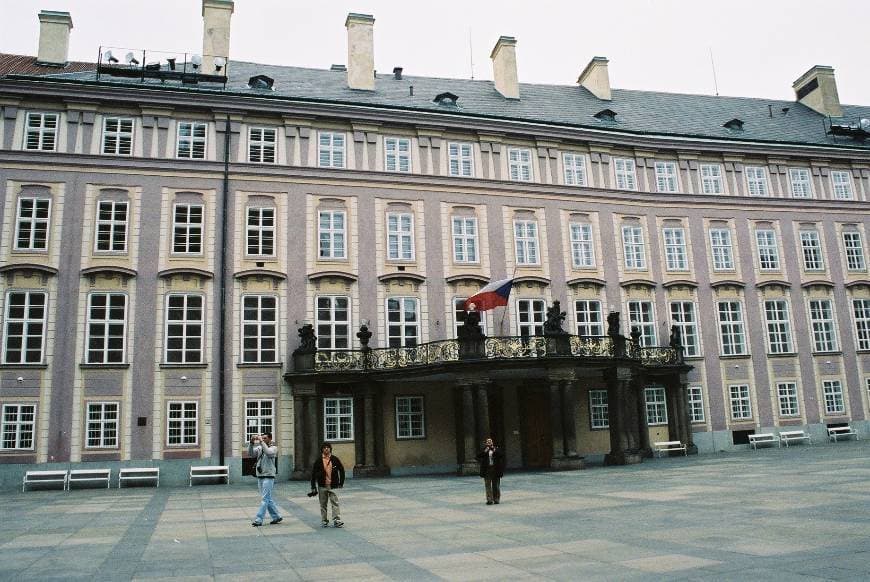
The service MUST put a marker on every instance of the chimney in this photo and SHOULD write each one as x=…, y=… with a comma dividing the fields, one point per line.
x=817, y=89
x=360, y=51
x=54, y=30
x=595, y=78
x=216, y=16
x=504, y=67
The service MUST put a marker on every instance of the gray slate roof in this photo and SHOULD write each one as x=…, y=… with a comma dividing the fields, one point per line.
x=640, y=112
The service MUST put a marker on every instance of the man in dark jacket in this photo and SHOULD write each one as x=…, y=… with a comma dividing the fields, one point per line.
x=491, y=460
x=327, y=475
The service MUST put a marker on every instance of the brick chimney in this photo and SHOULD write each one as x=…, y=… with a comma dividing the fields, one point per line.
x=596, y=79
x=216, y=15
x=504, y=67
x=360, y=51
x=817, y=89
x=54, y=30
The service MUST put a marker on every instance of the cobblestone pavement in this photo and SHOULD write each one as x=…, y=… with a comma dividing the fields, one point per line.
x=801, y=513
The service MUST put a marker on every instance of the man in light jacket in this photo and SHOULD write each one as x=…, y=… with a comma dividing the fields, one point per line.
x=262, y=448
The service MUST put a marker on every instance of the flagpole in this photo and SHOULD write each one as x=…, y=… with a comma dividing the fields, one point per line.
x=505, y=309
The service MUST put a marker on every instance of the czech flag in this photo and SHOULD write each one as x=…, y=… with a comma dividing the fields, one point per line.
x=493, y=295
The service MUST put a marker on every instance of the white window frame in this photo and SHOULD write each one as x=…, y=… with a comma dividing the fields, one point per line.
x=260, y=327
x=331, y=149
x=787, y=397
x=582, y=245
x=741, y=402
x=191, y=140
x=17, y=426
x=260, y=235
x=33, y=221
x=259, y=417
x=115, y=229
x=526, y=247
x=520, y=165
x=188, y=234
x=656, y=405
x=711, y=178
x=800, y=182
x=633, y=248
x=811, y=250
x=410, y=417
x=589, y=317
x=575, y=168
x=841, y=185
x=625, y=172
x=835, y=402
x=666, y=177
x=332, y=332
x=642, y=315
x=676, y=253
x=756, y=181
x=531, y=314
x=27, y=323
x=722, y=249
x=823, y=325
x=732, y=330
x=697, y=414
x=106, y=324
x=599, y=410
x=45, y=134
x=777, y=321
x=101, y=426
x=118, y=136
x=183, y=423
x=397, y=335
x=338, y=422
x=685, y=317
x=853, y=249
x=331, y=235
x=400, y=236
x=768, y=249
x=262, y=145
x=187, y=332
x=861, y=317
x=465, y=240
x=458, y=321
x=397, y=154
x=460, y=159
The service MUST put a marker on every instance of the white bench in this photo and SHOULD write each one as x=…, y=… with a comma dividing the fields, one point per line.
x=762, y=438
x=44, y=477
x=209, y=472
x=841, y=431
x=668, y=446
x=139, y=474
x=88, y=476
x=794, y=435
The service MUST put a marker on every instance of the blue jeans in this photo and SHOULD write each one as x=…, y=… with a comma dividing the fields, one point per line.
x=265, y=487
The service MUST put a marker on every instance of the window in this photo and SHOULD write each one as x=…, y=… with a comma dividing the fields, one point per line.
x=598, y=409
x=696, y=404
x=333, y=322
x=24, y=327
x=768, y=249
x=666, y=176
x=582, y=249
x=720, y=247
x=656, y=408
x=260, y=231
x=184, y=328
x=526, y=242
x=403, y=322
x=778, y=326
x=642, y=316
x=625, y=174
x=397, y=154
x=31, y=227
x=711, y=179
x=741, y=406
x=410, y=418
x=842, y=182
x=465, y=239
x=520, y=164
x=800, y=183
x=111, y=227
x=684, y=317
x=191, y=140
x=102, y=429
x=675, y=249
x=788, y=400
x=811, y=246
x=459, y=316
x=731, y=328
x=259, y=329
x=259, y=418
x=41, y=132
x=834, y=403
x=633, y=248
x=861, y=310
x=822, y=322
x=338, y=419
x=530, y=317
x=331, y=234
x=107, y=328
x=460, y=159
x=262, y=143
x=331, y=149
x=187, y=229
x=118, y=136
x=575, y=169
x=182, y=427
x=18, y=426
x=589, y=318
x=854, y=247
x=400, y=236
x=756, y=179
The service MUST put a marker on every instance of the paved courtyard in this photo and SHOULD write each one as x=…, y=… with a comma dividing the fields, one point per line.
x=801, y=513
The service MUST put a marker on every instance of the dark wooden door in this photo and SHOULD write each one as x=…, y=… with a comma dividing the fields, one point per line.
x=537, y=435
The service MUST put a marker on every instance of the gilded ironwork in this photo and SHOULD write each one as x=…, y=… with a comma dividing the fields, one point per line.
x=338, y=360
x=515, y=347
x=657, y=356
x=592, y=346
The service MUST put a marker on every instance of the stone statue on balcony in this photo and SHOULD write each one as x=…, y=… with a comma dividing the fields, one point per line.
x=307, y=340
x=470, y=329
x=555, y=318
x=676, y=338
x=613, y=323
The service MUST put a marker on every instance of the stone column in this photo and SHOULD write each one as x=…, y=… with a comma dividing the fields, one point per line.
x=622, y=433
x=643, y=427
x=369, y=428
x=468, y=463
x=569, y=413
x=299, y=457
x=482, y=413
x=556, y=422
x=312, y=442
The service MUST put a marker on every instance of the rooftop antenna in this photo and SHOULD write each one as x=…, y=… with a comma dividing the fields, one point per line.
x=713, y=65
x=470, y=54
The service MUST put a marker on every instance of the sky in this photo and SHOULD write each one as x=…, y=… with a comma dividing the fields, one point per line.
x=759, y=47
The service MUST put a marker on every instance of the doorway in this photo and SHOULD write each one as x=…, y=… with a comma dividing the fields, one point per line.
x=537, y=433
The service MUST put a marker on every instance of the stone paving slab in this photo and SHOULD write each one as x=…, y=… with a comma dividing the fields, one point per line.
x=790, y=515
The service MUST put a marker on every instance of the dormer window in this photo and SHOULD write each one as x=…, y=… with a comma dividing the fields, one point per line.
x=734, y=125
x=606, y=115
x=261, y=82
x=446, y=98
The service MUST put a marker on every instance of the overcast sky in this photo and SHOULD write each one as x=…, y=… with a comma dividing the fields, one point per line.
x=760, y=47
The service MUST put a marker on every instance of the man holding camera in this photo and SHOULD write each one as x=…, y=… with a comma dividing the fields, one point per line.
x=491, y=460
x=327, y=475
x=265, y=451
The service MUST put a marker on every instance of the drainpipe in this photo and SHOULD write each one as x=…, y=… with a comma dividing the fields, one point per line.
x=222, y=294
